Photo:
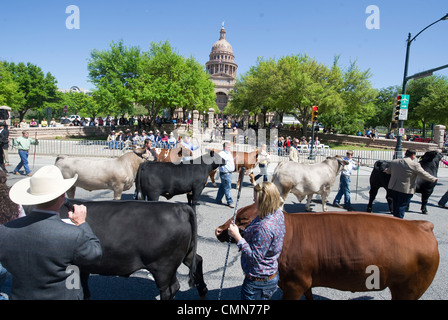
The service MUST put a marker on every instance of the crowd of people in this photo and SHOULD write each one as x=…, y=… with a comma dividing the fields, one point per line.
x=128, y=139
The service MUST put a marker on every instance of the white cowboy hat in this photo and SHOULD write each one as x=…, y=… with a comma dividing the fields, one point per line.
x=45, y=185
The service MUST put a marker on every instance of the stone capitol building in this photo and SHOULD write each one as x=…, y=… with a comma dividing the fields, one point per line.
x=222, y=69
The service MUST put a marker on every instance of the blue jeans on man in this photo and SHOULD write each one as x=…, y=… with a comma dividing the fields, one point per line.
x=224, y=188
x=400, y=201
x=344, y=190
x=23, y=162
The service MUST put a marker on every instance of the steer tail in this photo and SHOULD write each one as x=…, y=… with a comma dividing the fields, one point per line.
x=138, y=189
x=190, y=258
x=194, y=261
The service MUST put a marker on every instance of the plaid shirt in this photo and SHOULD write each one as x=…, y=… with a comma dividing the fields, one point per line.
x=262, y=245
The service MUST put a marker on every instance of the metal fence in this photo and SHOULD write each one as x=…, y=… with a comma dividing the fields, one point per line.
x=89, y=148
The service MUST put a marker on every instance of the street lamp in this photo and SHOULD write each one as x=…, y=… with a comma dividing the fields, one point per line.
x=398, y=150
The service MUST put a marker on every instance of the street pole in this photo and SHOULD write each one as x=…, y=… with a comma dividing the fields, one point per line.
x=398, y=149
x=311, y=157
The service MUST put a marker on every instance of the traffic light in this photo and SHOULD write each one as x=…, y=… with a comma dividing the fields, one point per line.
x=397, y=107
x=315, y=113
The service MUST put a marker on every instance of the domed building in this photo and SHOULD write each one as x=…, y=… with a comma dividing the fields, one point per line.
x=222, y=69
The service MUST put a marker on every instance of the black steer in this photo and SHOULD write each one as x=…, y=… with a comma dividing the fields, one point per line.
x=134, y=235
x=378, y=179
x=155, y=179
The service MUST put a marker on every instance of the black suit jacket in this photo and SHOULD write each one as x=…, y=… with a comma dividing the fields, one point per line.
x=38, y=249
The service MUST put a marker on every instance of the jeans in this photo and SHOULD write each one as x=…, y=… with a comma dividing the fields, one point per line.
x=3, y=274
x=344, y=189
x=258, y=290
x=225, y=187
x=400, y=202
x=443, y=200
x=23, y=162
x=264, y=171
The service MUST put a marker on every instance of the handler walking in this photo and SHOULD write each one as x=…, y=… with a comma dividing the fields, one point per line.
x=403, y=179
x=262, y=244
x=344, y=185
x=23, y=144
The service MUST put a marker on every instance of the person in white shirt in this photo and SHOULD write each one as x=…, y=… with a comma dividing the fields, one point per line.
x=225, y=173
x=344, y=185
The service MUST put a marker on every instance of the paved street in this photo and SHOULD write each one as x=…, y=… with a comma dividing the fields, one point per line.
x=211, y=215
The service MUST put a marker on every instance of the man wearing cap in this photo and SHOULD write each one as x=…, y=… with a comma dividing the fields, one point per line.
x=344, y=185
x=23, y=144
x=41, y=252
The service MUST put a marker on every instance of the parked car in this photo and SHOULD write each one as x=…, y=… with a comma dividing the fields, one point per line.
x=418, y=138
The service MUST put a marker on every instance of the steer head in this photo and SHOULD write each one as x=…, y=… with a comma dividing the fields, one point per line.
x=429, y=156
x=214, y=159
x=341, y=163
x=243, y=217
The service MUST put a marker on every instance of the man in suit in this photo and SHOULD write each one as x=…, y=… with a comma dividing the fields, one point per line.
x=42, y=252
x=402, y=182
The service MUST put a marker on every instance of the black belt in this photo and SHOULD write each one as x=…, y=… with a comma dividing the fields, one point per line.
x=261, y=279
x=23, y=150
x=222, y=172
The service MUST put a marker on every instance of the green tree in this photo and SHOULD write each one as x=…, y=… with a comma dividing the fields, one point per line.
x=82, y=104
x=38, y=89
x=113, y=72
x=427, y=101
x=359, y=96
x=10, y=94
x=255, y=91
x=384, y=104
x=156, y=79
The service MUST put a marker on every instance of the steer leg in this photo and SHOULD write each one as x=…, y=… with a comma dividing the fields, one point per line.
x=117, y=193
x=372, y=195
x=197, y=274
x=252, y=178
x=71, y=192
x=425, y=197
x=293, y=290
x=324, y=197
x=165, y=277
x=308, y=202
x=212, y=177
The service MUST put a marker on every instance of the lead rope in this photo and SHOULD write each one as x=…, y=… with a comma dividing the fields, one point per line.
x=240, y=178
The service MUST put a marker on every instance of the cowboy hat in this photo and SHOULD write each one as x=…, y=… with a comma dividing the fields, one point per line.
x=45, y=185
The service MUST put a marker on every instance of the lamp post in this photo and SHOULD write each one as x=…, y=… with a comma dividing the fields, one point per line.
x=398, y=150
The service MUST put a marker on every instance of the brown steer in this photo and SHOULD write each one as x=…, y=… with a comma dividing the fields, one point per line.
x=336, y=250
x=248, y=160
x=172, y=155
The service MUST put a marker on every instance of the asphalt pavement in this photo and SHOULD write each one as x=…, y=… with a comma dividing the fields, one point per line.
x=141, y=286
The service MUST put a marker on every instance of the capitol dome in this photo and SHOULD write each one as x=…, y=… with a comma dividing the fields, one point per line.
x=222, y=69
x=222, y=46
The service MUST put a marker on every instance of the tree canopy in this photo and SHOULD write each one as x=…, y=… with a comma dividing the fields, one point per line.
x=35, y=90
x=294, y=84
x=157, y=79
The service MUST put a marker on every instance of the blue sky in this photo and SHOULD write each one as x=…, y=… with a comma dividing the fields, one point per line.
x=35, y=31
